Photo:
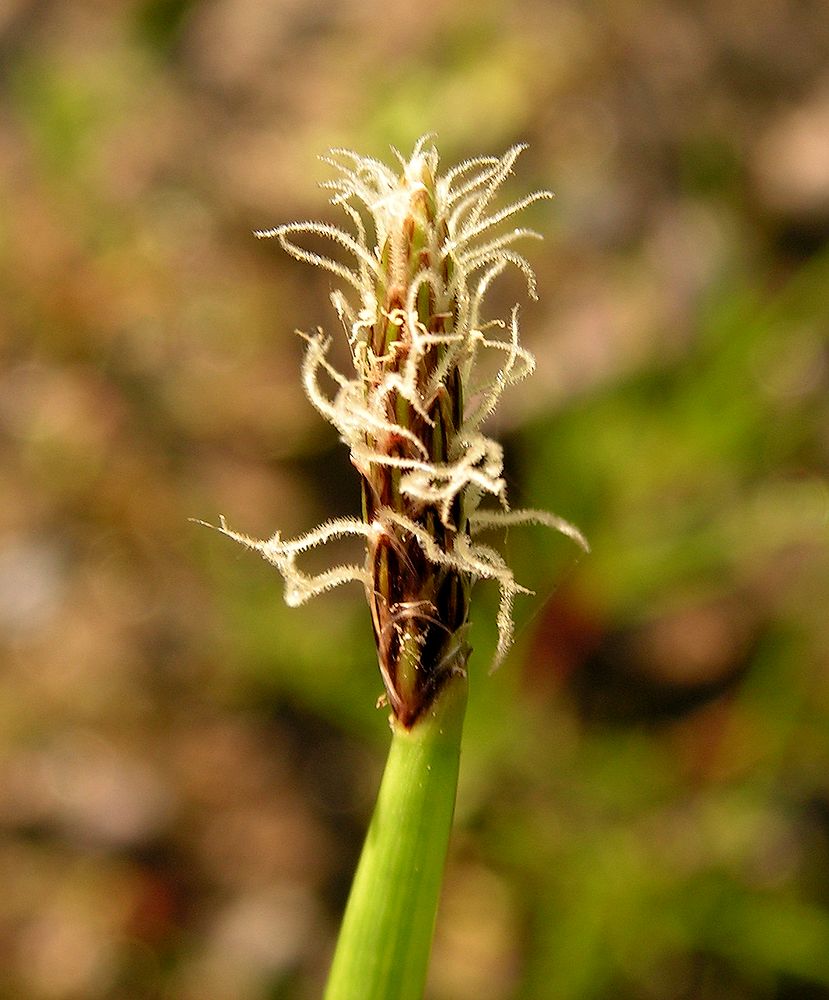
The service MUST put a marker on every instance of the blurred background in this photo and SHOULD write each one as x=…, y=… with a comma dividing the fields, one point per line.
x=187, y=767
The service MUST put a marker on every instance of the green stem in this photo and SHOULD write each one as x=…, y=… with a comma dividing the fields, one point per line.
x=386, y=936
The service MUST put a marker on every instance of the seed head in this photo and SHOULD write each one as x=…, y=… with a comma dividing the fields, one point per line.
x=423, y=249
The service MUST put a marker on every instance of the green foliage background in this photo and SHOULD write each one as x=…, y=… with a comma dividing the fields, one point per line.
x=187, y=766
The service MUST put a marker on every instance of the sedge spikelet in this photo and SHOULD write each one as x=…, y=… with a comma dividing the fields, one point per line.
x=423, y=250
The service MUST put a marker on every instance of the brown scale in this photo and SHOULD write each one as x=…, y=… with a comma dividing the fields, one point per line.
x=418, y=609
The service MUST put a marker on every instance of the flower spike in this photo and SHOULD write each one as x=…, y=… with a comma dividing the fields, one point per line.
x=422, y=252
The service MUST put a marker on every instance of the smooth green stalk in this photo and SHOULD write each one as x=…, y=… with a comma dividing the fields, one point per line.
x=386, y=936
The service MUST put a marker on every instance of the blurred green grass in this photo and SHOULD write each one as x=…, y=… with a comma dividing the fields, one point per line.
x=186, y=765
